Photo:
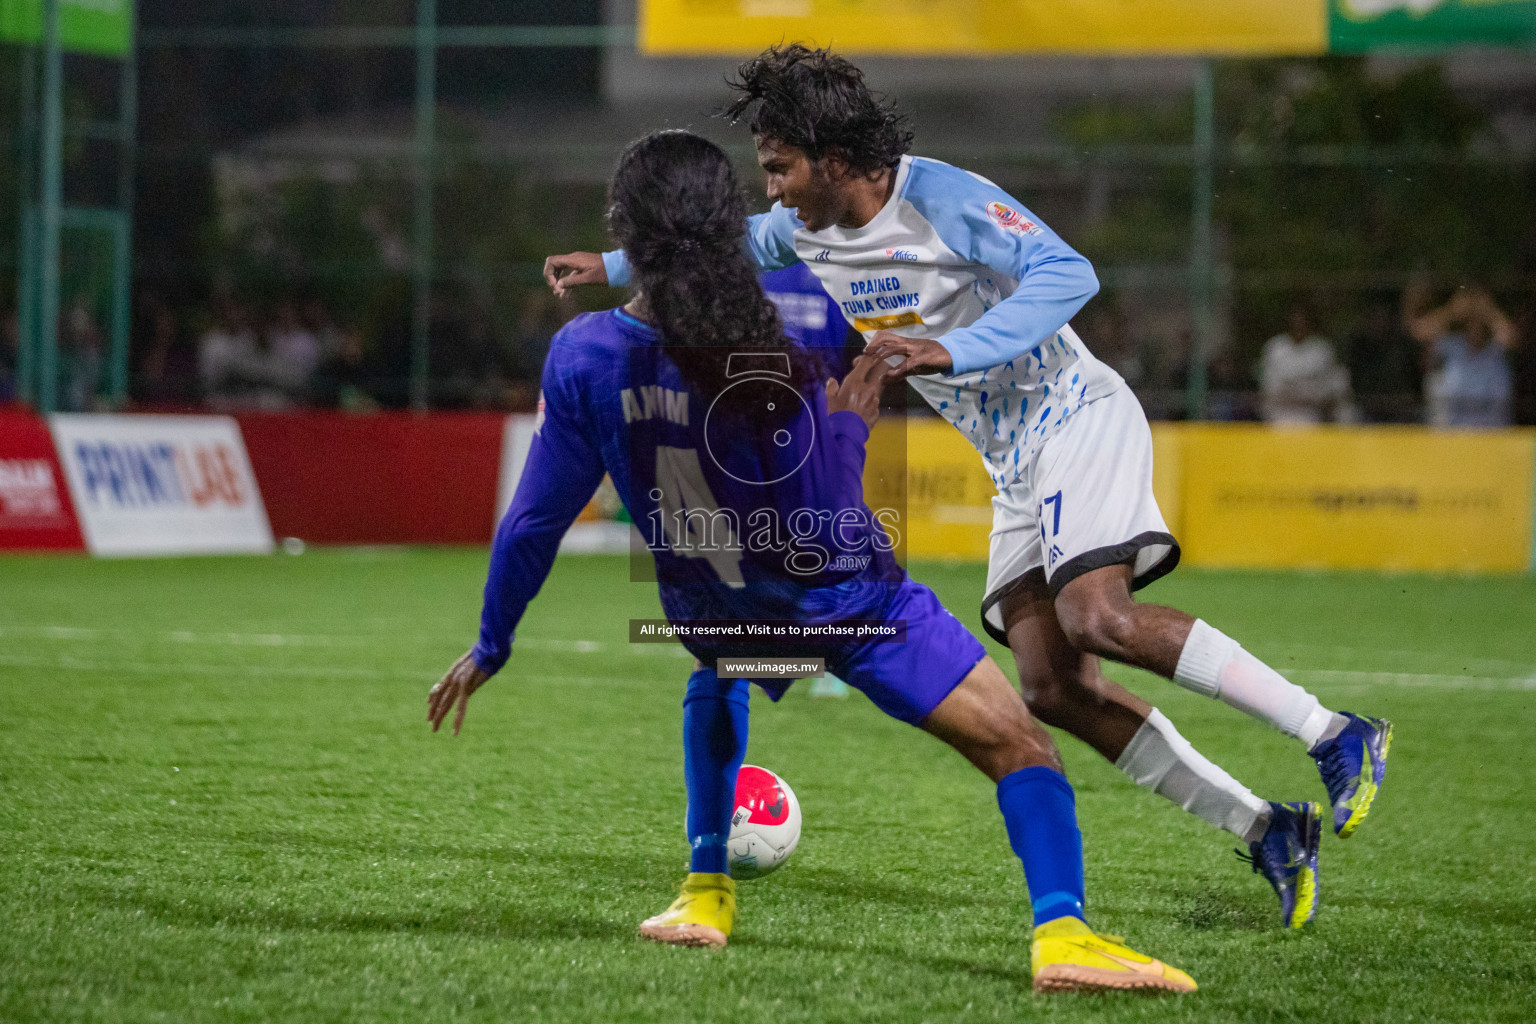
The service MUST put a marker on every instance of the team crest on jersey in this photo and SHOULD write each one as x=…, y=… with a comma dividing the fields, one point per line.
x=1009, y=219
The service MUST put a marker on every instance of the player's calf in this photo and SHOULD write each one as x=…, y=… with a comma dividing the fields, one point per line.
x=1099, y=616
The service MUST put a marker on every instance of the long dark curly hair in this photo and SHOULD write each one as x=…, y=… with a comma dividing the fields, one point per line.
x=677, y=210
x=817, y=101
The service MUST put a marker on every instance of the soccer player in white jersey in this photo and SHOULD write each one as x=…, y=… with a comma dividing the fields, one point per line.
x=968, y=295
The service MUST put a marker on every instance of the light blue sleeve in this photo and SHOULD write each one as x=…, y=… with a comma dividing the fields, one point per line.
x=617, y=266
x=771, y=238
x=986, y=225
x=770, y=243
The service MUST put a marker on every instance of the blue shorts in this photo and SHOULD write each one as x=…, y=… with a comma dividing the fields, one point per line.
x=908, y=679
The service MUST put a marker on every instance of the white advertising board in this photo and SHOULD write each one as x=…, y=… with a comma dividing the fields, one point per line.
x=161, y=485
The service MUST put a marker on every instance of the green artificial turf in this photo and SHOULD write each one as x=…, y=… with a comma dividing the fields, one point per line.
x=219, y=800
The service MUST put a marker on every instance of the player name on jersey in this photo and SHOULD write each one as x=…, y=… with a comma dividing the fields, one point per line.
x=652, y=402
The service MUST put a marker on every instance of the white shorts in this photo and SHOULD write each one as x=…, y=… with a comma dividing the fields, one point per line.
x=1084, y=501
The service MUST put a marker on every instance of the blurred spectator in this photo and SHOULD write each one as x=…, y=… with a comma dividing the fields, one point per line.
x=236, y=369
x=80, y=357
x=468, y=366
x=342, y=379
x=1230, y=396
x=1468, y=382
x=317, y=317
x=1107, y=329
x=539, y=317
x=1385, y=369
x=293, y=353
x=1301, y=379
x=166, y=367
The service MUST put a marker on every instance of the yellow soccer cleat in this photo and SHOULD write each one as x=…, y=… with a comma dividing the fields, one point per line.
x=701, y=916
x=1067, y=956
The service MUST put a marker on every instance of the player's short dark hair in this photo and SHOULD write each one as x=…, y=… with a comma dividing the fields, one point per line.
x=818, y=102
x=676, y=208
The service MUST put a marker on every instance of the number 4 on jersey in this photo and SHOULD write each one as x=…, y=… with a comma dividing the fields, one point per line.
x=692, y=520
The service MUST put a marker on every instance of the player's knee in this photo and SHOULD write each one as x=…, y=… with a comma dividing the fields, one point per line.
x=1013, y=742
x=1042, y=690
x=1096, y=626
x=1025, y=749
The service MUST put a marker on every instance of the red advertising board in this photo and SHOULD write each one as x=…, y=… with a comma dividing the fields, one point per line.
x=388, y=478
x=35, y=510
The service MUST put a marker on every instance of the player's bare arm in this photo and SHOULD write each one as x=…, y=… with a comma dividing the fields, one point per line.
x=909, y=357
x=458, y=684
x=562, y=273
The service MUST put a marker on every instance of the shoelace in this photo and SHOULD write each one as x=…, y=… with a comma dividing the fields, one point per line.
x=1335, y=769
x=1274, y=879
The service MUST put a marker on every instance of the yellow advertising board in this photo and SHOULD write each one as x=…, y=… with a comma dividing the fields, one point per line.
x=1369, y=498
x=987, y=27
x=948, y=497
x=1246, y=495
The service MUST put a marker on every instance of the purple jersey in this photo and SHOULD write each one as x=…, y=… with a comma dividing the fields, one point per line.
x=751, y=503
x=811, y=316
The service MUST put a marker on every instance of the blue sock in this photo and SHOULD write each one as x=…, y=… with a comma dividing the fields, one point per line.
x=1040, y=812
x=714, y=744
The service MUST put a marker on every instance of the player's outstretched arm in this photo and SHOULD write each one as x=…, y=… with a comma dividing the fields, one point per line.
x=562, y=273
x=770, y=242
x=458, y=684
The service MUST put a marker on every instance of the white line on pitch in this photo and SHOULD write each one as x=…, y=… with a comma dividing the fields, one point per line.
x=67, y=663
x=1490, y=666
x=1426, y=680
x=222, y=639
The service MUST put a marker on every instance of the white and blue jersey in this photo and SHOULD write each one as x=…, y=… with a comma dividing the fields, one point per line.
x=955, y=258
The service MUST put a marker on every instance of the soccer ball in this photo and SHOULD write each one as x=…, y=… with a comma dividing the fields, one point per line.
x=766, y=825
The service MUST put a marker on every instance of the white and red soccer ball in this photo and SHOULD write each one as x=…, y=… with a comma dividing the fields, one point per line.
x=766, y=824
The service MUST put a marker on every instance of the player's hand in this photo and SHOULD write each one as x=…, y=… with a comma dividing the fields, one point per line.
x=562, y=273
x=859, y=393
x=906, y=357
x=456, y=686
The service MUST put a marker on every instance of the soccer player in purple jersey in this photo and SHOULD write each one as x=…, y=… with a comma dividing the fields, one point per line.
x=969, y=294
x=744, y=474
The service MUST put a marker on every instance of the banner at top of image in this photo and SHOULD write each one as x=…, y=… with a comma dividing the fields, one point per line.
x=987, y=27
x=1356, y=26
x=103, y=27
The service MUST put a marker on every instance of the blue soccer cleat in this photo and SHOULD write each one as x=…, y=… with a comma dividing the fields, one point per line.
x=1287, y=858
x=1353, y=764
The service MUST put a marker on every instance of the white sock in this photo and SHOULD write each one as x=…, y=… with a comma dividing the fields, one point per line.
x=1215, y=665
x=1159, y=759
